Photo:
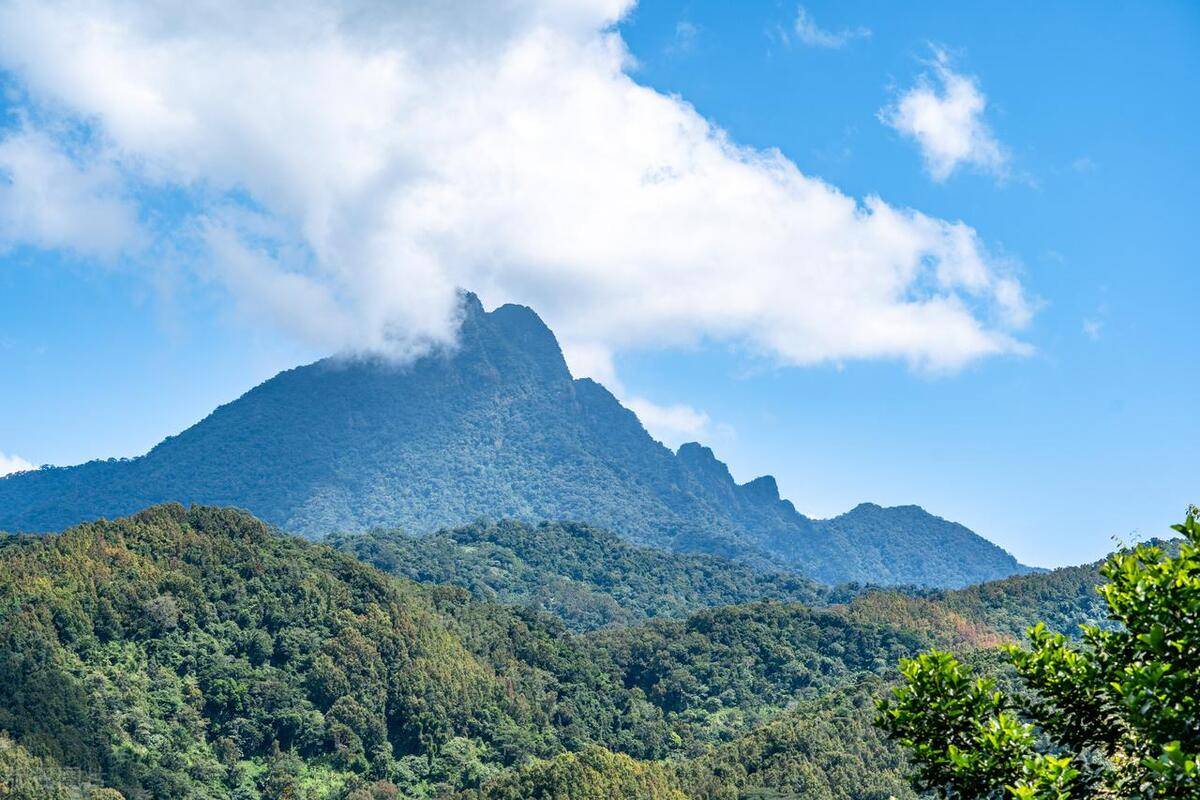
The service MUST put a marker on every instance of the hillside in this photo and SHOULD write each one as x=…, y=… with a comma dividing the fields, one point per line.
x=173, y=652
x=826, y=749
x=591, y=578
x=1063, y=598
x=588, y=577
x=197, y=653
x=496, y=428
x=995, y=611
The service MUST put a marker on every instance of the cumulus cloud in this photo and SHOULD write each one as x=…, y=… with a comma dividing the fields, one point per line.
x=349, y=165
x=51, y=200
x=811, y=34
x=943, y=114
x=13, y=463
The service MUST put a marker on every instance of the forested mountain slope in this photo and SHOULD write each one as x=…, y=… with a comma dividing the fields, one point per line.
x=995, y=611
x=591, y=578
x=496, y=428
x=1063, y=598
x=197, y=653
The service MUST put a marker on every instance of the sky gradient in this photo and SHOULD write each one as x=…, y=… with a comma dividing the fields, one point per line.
x=1063, y=137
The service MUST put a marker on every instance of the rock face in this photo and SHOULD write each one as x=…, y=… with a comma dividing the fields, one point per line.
x=495, y=428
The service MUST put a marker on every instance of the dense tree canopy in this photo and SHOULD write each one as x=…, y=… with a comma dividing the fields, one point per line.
x=588, y=577
x=198, y=653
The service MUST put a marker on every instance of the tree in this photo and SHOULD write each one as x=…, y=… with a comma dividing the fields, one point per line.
x=1115, y=714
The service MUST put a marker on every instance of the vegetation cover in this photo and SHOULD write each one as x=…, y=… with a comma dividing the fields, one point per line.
x=588, y=577
x=1116, y=714
x=198, y=653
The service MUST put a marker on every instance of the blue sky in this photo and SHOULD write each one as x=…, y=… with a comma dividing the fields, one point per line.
x=1050, y=448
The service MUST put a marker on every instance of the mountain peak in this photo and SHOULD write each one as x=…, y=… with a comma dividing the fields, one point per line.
x=471, y=305
x=522, y=319
x=869, y=508
x=763, y=488
x=702, y=462
x=695, y=452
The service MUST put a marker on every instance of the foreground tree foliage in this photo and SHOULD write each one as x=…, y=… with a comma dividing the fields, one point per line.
x=1116, y=714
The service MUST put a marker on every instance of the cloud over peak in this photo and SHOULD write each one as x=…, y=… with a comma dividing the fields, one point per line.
x=13, y=463
x=348, y=166
x=943, y=114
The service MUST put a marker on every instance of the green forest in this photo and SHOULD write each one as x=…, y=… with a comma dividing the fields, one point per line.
x=199, y=652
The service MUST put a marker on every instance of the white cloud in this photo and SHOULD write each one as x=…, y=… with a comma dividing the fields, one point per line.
x=671, y=424
x=53, y=201
x=944, y=116
x=13, y=463
x=811, y=34
x=1092, y=328
x=594, y=360
x=352, y=164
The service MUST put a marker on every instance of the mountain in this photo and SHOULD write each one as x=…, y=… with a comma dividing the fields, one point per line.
x=494, y=428
x=183, y=653
x=195, y=654
x=885, y=540
x=588, y=577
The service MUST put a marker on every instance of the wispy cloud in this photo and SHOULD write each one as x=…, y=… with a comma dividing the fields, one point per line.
x=944, y=114
x=1093, y=325
x=809, y=33
x=686, y=34
x=13, y=463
